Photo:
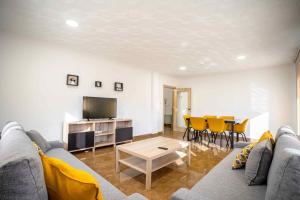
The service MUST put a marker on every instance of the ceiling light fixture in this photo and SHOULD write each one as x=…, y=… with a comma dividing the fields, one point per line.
x=72, y=23
x=184, y=44
x=182, y=68
x=241, y=57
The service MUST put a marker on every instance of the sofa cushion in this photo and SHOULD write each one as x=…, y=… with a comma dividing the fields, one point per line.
x=258, y=163
x=284, y=173
x=109, y=192
x=284, y=130
x=21, y=172
x=8, y=126
x=186, y=194
x=39, y=140
x=224, y=183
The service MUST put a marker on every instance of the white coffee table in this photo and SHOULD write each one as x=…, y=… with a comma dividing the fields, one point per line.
x=146, y=157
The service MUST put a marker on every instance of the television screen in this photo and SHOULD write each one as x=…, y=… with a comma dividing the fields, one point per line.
x=99, y=107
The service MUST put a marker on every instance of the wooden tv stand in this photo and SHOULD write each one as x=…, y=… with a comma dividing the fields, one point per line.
x=96, y=133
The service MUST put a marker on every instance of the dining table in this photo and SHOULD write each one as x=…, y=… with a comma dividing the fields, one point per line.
x=227, y=121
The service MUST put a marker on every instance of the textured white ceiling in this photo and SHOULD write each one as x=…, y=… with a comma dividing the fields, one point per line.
x=162, y=35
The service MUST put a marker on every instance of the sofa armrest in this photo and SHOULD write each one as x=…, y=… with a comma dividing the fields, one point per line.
x=56, y=144
x=185, y=194
x=241, y=144
x=136, y=196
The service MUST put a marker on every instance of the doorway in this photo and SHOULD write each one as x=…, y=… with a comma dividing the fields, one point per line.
x=168, y=107
x=176, y=104
x=181, y=107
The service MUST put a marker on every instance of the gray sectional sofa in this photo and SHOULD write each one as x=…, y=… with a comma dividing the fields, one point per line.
x=21, y=171
x=283, y=181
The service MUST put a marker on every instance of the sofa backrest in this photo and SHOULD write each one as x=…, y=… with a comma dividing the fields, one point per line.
x=21, y=170
x=284, y=174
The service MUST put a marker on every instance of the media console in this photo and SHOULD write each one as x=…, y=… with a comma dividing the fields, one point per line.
x=83, y=135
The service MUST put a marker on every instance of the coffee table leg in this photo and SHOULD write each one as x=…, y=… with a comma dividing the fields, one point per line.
x=117, y=160
x=148, y=174
x=189, y=154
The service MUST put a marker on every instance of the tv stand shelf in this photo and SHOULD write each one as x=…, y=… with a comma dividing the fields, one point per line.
x=83, y=135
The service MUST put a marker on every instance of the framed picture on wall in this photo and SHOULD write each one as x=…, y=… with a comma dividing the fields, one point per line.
x=98, y=84
x=72, y=80
x=118, y=86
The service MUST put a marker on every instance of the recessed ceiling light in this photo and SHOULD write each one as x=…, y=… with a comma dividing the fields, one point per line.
x=184, y=44
x=71, y=23
x=182, y=68
x=241, y=57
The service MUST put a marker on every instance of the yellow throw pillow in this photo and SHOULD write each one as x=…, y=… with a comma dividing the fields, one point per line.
x=266, y=135
x=241, y=158
x=64, y=182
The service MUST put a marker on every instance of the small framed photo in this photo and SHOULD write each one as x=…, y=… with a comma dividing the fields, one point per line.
x=72, y=80
x=118, y=86
x=98, y=84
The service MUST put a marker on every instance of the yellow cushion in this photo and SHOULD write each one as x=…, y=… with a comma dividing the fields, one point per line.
x=64, y=182
x=266, y=135
x=241, y=158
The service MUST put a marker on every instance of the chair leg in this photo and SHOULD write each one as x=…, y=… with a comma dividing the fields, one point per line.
x=227, y=139
x=221, y=138
x=237, y=137
x=245, y=138
x=208, y=138
x=185, y=132
x=196, y=136
x=201, y=134
x=215, y=135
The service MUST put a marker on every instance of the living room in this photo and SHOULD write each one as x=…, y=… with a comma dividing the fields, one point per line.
x=91, y=77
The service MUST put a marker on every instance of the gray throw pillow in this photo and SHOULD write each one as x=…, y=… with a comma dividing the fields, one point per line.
x=259, y=162
x=39, y=140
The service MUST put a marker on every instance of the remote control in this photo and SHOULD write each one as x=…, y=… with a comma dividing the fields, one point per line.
x=164, y=148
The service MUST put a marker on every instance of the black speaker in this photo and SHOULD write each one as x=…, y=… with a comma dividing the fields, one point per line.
x=80, y=140
x=123, y=134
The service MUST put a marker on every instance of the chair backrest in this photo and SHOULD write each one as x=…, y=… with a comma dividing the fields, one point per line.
x=209, y=117
x=185, y=119
x=216, y=125
x=198, y=123
x=244, y=125
x=227, y=117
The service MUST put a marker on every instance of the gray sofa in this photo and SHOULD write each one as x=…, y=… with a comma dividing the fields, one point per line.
x=224, y=183
x=21, y=171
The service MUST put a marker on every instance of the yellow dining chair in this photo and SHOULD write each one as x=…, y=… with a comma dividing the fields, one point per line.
x=199, y=126
x=228, y=126
x=217, y=127
x=240, y=129
x=185, y=118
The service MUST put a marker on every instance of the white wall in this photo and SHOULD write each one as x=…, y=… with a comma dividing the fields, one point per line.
x=33, y=88
x=266, y=96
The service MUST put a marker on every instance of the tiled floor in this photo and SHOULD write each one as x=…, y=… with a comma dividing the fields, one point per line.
x=164, y=181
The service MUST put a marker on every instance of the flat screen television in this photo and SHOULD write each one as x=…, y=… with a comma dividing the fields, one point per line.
x=99, y=107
